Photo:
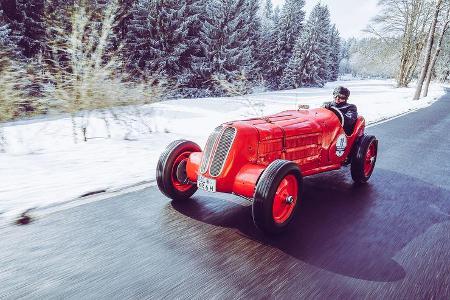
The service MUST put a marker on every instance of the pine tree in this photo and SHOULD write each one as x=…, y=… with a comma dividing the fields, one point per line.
x=13, y=25
x=276, y=15
x=26, y=22
x=124, y=17
x=137, y=36
x=190, y=80
x=267, y=14
x=289, y=27
x=226, y=46
x=344, y=64
x=4, y=31
x=25, y=40
x=6, y=44
x=253, y=35
x=267, y=40
x=34, y=25
x=309, y=65
x=161, y=40
x=335, y=54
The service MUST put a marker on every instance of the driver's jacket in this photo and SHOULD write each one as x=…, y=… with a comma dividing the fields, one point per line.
x=349, y=112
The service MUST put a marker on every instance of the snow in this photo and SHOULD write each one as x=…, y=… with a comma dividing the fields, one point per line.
x=42, y=166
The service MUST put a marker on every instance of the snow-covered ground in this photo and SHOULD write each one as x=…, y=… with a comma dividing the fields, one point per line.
x=42, y=165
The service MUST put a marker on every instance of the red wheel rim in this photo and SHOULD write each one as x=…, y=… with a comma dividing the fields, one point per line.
x=369, y=161
x=182, y=187
x=285, y=199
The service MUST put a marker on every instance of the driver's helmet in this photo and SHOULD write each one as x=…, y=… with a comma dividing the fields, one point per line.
x=342, y=92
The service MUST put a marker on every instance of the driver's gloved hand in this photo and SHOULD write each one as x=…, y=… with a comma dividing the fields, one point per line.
x=326, y=105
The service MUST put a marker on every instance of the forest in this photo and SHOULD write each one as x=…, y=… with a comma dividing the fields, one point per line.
x=77, y=55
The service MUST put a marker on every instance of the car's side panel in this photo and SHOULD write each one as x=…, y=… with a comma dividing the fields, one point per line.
x=304, y=150
x=269, y=151
x=358, y=131
x=245, y=182
x=297, y=137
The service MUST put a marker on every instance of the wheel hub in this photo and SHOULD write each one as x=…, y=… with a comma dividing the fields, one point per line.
x=285, y=199
x=371, y=155
x=289, y=199
x=181, y=172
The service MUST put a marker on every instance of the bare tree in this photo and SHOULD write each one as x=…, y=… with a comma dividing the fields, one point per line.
x=405, y=21
x=429, y=48
x=373, y=57
x=10, y=94
x=444, y=28
x=442, y=68
x=84, y=73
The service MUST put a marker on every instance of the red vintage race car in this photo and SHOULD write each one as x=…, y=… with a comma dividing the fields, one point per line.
x=265, y=159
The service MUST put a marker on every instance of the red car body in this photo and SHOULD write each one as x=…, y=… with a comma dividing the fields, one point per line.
x=238, y=153
x=307, y=137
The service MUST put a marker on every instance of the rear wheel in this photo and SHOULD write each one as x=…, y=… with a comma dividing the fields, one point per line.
x=277, y=196
x=364, y=158
x=171, y=170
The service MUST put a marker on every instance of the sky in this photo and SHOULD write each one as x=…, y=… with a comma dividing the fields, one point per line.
x=350, y=16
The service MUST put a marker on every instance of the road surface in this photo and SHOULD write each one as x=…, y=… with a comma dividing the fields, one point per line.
x=388, y=239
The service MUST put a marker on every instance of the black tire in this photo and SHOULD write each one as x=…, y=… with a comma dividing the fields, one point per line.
x=265, y=192
x=165, y=175
x=358, y=164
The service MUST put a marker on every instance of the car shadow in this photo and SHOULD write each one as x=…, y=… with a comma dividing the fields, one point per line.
x=344, y=228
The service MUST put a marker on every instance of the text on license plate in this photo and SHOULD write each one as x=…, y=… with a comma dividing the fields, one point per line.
x=206, y=184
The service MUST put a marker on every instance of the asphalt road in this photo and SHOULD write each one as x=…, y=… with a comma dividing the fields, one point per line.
x=388, y=239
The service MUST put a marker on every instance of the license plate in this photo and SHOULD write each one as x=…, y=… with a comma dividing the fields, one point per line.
x=206, y=184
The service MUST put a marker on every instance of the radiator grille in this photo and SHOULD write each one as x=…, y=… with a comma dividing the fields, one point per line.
x=223, y=148
x=208, y=148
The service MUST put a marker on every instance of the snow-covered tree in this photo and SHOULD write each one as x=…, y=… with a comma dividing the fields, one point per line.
x=344, y=65
x=34, y=26
x=373, y=57
x=403, y=23
x=224, y=37
x=276, y=15
x=267, y=40
x=162, y=38
x=135, y=51
x=289, y=27
x=335, y=54
x=4, y=31
x=124, y=17
x=26, y=22
x=253, y=35
x=310, y=62
x=435, y=38
x=13, y=77
x=443, y=62
x=12, y=27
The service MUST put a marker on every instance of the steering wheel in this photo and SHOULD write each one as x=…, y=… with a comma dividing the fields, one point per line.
x=338, y=114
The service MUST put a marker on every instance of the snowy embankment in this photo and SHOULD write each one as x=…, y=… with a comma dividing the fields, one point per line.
x=43, y=166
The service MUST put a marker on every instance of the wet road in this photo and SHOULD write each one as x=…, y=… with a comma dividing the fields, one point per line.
x=389, y=239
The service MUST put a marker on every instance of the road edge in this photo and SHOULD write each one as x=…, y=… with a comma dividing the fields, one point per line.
x=102, y=194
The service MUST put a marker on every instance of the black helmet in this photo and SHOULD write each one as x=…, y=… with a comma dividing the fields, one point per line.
x=342, y=92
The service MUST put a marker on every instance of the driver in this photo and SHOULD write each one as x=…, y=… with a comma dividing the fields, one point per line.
x=349, y=111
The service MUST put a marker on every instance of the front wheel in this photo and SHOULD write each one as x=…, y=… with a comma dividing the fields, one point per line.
x=277, y=196
x=364, y=158
x=171, y=170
